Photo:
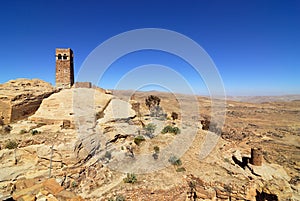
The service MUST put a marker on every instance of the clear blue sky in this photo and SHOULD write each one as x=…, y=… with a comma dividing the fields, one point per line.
x=254, y=44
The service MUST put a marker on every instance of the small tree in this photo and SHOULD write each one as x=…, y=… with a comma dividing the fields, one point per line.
x=174, y=116
x=151, y=101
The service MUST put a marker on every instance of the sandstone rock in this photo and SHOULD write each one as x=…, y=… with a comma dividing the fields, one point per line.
x=76, y=108
x=22, y=97
x=117, y=110
x=52, y=186
x=71, y=104
x=33, y=190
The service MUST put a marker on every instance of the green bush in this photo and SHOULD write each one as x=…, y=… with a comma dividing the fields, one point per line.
x=167, y=129
x=170, y=129
x=150, y=128
x=176, y=130
x=156, y=149
x=131, y=178
x=175, y=161
x=181, y=169
x=74, y=184
x=156, y=152
x=139, y=139
x=11, y=145
x=120, y=198
x=107, y=155
x=23, y=131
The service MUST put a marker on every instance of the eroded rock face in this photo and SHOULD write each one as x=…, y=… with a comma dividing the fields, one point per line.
x=22, y=97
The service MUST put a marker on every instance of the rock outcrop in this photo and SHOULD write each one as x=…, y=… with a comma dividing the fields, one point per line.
x=80, y=108
x=71, y=104
x=21, y=98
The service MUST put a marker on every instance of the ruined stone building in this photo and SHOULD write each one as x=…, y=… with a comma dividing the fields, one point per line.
x=64, y=68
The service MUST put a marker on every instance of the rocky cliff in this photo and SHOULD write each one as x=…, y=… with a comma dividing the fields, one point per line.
x=22, y=97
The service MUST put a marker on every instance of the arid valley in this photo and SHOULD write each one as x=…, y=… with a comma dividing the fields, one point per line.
x=43, y=156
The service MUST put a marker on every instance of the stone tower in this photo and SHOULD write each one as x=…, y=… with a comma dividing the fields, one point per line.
x=64, y=68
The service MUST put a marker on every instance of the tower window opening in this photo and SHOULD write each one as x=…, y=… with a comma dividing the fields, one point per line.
x=59, y=56
x=65, y=57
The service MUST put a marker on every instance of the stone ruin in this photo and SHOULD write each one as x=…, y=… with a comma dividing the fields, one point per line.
x=256, y=156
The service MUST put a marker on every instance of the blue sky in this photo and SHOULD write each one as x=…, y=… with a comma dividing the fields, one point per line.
x=254, y=44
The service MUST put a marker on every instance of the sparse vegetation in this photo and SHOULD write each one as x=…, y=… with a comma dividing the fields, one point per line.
x=175, y=161
x=7, y=129
x=211, y=126
x=180, y=169
x=150, y=128
x=170, y=129
x=174, y=116
x=120, y=198
x=152, y=101
x=156, y=151
x=139, y=139
x=226, y=160
x=130, y=178
x=11, y=145
x=23, y=131
x=74, y=184
x=107, y=155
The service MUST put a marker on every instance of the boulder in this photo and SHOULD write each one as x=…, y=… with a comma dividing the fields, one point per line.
x=117, y=110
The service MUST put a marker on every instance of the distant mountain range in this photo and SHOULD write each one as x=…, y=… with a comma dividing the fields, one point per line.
x=261, y=99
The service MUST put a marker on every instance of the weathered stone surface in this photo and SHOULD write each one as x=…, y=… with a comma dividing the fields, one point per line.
x=117, y=110
x=71, y=104
x=33, y=190
x=22, y=97
x=47, y=190
x=52, y=186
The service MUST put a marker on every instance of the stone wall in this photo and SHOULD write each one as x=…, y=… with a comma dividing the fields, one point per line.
x=83, y=85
